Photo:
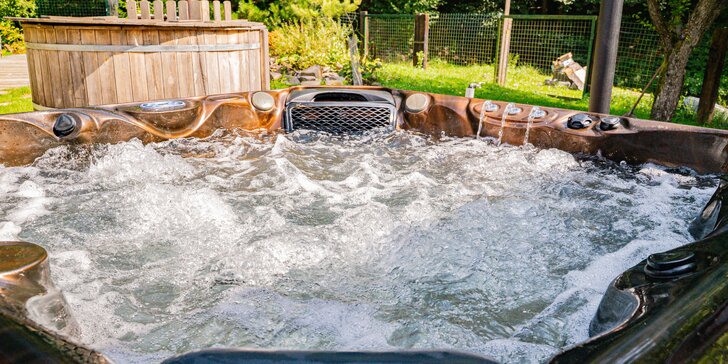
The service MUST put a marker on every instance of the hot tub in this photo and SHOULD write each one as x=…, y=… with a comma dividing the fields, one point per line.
x=358, y=225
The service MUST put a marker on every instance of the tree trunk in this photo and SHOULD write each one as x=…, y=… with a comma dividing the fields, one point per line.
x=669, y=88
x=677, y=44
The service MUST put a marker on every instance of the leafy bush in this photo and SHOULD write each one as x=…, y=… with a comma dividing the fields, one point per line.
x=277, y=13
x=11, y=32
x=319, y=41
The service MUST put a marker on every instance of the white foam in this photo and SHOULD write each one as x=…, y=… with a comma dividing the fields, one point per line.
x=311, y=242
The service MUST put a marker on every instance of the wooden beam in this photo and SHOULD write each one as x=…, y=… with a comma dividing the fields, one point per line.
x=422, y=31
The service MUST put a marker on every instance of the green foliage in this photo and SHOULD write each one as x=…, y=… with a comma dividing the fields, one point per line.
x=72, y=7
x=318, y=41
x=275, y=14
x=368, y=69
x=11, y=32
x=401, y=6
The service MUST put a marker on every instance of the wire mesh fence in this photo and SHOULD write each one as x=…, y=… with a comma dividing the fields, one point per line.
x=463, y=38
x=639, y=54
x=391, y=37
x=73, y=7
x=538, y=40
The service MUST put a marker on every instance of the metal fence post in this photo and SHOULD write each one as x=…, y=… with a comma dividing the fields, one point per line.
x=589, y=62
x=364, y=32
x=422, y=30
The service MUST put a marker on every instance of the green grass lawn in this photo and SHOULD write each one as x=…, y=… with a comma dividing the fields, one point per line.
x=16, y=100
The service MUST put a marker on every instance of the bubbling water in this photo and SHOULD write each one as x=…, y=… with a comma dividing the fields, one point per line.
x=308, y=241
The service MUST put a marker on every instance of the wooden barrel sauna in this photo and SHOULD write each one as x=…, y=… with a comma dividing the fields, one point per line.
x=76, y=62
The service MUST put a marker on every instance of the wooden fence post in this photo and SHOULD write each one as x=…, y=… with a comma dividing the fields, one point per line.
x=422, y=30
x=505, y=46
x=711, y=81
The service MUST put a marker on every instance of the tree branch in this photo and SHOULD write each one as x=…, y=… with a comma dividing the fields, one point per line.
x=654, y=9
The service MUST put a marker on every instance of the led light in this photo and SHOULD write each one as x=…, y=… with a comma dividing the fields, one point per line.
x=417, y=103
x=490, y=107
x=513, y=110
x=263, y=101
x=163, y=105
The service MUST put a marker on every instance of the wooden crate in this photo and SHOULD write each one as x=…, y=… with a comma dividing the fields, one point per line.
x=75, y=62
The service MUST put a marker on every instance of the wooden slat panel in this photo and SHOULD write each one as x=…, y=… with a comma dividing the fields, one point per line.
x=91, y=72
x=212, y=71
x=200, y=66
x=217, y=13
x=33, y=71
x=138, y=66
x=171, y=10
x=131, y=9
x=185, y=65
x=78, y=74
x=184, y=10
x=265, y=62
x=153, y=66
x=205, y=6
x=45, y=81
x=122, y=70
x=235, y=59
x=244, y=63
x=195, y=11
x=169, y=65
x=145, y=9
x=159, y=10
x=105, y=60
x=228, y=10
x=64, y=69
x=255, y=59
x=224, y=62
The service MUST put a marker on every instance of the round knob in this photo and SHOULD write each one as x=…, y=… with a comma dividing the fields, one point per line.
x=417, y=103
x=609, y=122
x=579, y=121
x=263, y=101
x=65, y=125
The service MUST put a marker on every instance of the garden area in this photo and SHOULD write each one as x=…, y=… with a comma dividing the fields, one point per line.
x=462, y=51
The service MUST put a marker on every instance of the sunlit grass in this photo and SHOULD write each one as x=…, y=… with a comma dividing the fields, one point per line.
x=16, y=100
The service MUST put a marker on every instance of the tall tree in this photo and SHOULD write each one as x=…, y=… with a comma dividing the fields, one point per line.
x=680, y=24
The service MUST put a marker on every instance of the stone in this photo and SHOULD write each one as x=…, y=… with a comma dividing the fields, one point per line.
x=311, y=83
x=275, y=75
x=333, y=82
x=293, y=81
x=308, y=78
x=314, y=71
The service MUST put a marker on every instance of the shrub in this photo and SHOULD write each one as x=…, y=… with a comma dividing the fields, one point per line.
x=319, y=41
x=277, y=13
x=11, y=32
